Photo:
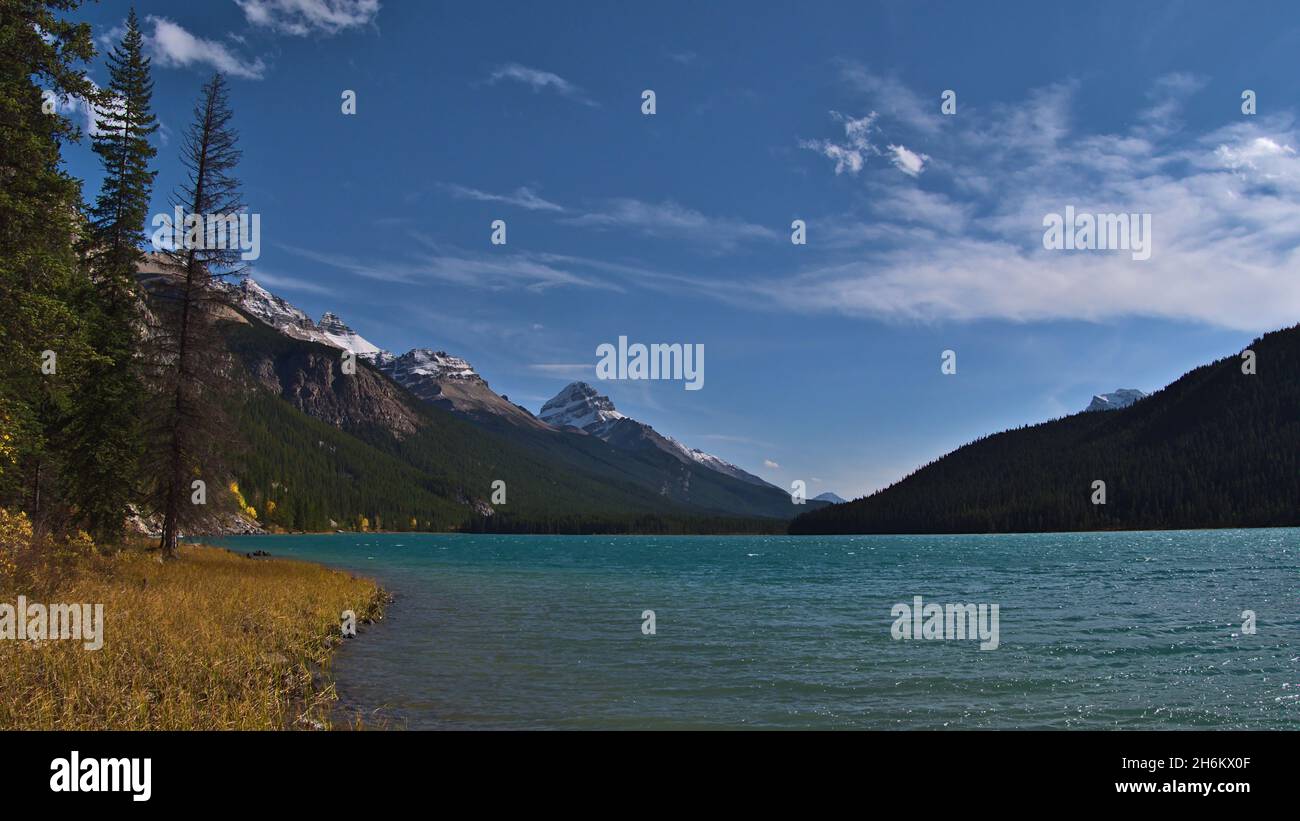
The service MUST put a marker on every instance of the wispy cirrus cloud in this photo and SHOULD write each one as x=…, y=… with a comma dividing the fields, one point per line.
x=539, y=80
x=655, y=219
x=303, y=17
x=565, y=370
x=892, y=97
x=967, y=246
x=295, y=284
x=522, y=197
x=486, y=271
x=1225, y=208
x=670, y=219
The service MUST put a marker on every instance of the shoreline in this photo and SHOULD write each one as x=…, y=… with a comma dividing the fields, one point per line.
x=742, y=534
x=210, y=641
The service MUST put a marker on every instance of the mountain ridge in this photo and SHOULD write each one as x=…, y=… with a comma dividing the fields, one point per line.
x=449, y=381
x=581, y=407
x=1217, y=447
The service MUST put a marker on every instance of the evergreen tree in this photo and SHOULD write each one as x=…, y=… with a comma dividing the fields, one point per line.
x=186, y=358
x=104, y=434
x=39, y=223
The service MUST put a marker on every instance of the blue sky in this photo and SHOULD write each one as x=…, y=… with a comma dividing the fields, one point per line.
x=924, y=230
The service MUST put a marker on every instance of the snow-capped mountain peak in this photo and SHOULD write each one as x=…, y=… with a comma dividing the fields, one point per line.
x=290, y=321
x=268, y=307
x=578, y=405
x=341, y=336
x=1121, y=398
x=434, y=376
x=423, y=362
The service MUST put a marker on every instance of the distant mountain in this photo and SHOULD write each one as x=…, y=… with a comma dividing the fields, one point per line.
x=417, y=441
x=829, y=497
x=579, y=406
x=450, y=382
x=292, y=322
x=339, y=334
x=434, y=376
x=1216, y=448
x=1121, y=398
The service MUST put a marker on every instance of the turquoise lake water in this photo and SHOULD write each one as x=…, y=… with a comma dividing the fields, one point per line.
x=1100, y=630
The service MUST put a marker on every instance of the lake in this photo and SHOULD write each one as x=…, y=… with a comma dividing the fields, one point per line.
x=1095, y=630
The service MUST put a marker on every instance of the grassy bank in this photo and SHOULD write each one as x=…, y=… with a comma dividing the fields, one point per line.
x=211, y=641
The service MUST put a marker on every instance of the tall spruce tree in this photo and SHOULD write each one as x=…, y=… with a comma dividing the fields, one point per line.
x=104, y=433
x=40, y=329
x=188, y=361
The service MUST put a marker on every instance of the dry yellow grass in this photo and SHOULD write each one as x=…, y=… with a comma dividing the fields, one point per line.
x=210, y=641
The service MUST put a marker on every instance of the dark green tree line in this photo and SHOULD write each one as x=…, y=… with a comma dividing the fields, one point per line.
x=105, y=434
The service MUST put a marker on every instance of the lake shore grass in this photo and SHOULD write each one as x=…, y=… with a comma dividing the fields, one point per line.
x=212, y=640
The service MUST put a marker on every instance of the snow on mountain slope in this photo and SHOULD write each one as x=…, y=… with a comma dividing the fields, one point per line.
x=291, y=321
x=712, y=462
x=1121, y=398
x=579, y=405
x=833, y=498
x=434, y=376
x=421, y=363
x=452, y=383
x=341, y=336
x=268, y=307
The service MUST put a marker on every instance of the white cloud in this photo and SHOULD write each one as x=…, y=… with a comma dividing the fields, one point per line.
x=306, y=286
x=770, y=465
x=1226, y=242
x=1224, y=206
x=1262, y=155
x=909, y=162
x=539, y=80
x=302, y=17
x=171, y=46
x=79, y=107
x=111, y=37
x=673, y=220
x=495, y=271
x=91, y=119
x=1167, y=96
x=851, y=155
x=522, y=197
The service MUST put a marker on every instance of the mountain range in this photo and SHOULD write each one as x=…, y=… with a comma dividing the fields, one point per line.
x=451, y=382
x=421, y=441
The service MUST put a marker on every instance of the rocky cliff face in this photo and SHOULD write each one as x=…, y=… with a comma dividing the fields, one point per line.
x=451, y=383
x=312, y=381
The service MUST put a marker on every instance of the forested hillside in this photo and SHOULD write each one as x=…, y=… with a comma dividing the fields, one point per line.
x=317, y=449
x=1217, y=448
